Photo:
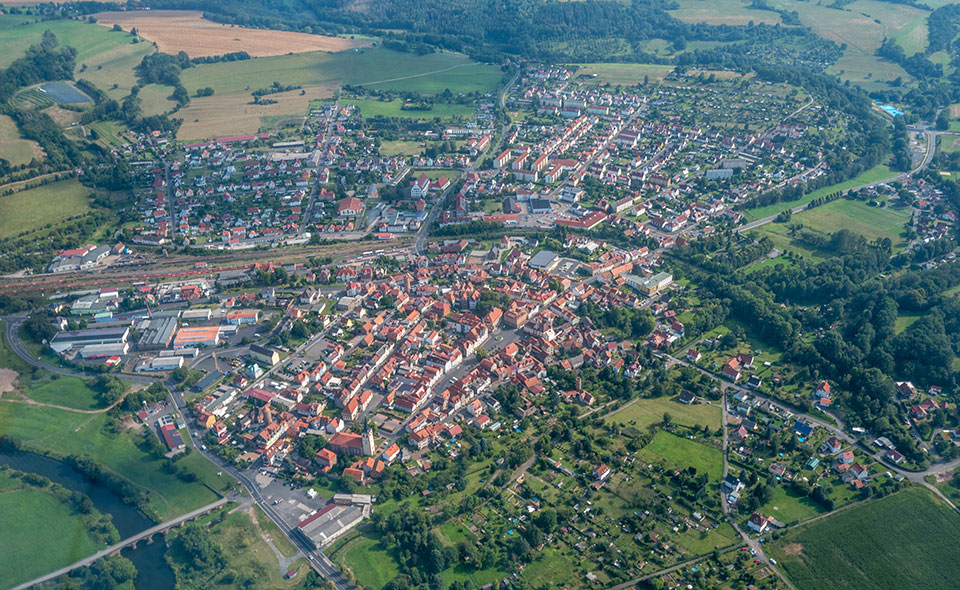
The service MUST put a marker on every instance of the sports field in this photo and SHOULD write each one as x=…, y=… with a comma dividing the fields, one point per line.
x=188, y=31
x=681, y=453
x=13, y=148
x=36, y=207
x=647, y=411
x=906, y=541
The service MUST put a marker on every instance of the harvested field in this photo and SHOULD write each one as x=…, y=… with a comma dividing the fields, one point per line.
x=187, y=30
x=233, y=114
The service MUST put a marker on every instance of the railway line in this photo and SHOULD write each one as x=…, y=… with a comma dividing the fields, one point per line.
x=181, y=267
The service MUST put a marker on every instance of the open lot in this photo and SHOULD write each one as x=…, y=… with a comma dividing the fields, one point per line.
x=36, y=207
x=681, y=452
x=187, y=30
x=647, y=411
x=905, y=541
x=71, y=392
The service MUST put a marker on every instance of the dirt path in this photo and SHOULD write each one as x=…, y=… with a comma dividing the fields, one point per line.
x=25, y=399
x=413, y=75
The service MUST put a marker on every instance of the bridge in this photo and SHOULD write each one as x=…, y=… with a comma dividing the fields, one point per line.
x=128, y=542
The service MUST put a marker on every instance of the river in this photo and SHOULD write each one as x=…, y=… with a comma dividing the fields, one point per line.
x=153, y=571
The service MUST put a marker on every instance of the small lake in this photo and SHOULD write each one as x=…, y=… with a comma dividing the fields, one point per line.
x=154, y=573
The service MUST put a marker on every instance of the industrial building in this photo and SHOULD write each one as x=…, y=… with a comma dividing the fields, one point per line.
x=77, y=339
x=156, y=333
x=544, y=260
x=333, y=520
x=161, y=363
x=197, y=336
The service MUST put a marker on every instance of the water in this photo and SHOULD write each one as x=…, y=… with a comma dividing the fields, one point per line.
x=153, y=571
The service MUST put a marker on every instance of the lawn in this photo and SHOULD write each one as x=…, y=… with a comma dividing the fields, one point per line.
x=870, y=222
x=876, y=174
x=906, y=541
x=787, y=506
x=13, y=148
x=34, y=208
x=697, y=543
x=682, y=453
x=647, y=411
x=63, y=432
x=38, y=534
x=71, y=392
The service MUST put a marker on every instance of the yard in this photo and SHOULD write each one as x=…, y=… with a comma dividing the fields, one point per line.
x=905, y=541
x=646, y=411
x=681, y=453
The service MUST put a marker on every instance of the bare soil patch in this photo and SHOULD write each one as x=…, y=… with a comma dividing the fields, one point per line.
x=955, y=111
x=8, y=380
x=187, y=30
x=793, y=549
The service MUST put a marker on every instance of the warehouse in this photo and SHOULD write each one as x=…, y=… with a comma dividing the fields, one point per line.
x=161, y=363
x=66, y=340
x=156, y=333
x=334, y=519
x=102, y=351
x=200, y=336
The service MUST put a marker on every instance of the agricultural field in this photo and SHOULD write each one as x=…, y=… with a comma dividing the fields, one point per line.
x=188, y=31
x=38, y=532
x=870, y=222
x=905, y=541
x=682, y=452
x=622, y=74
x=647, y=411
x=230, y=110
x=13, y=148
x=723, y=12
x=17, y=32
x=34, y=208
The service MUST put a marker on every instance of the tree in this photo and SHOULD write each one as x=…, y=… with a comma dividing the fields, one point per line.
x=943, y=120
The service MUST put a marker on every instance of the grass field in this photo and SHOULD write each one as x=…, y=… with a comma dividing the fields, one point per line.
x=721, y=536
x=906, y=541
x=229, y=111
x=875, y=174
x=373, y=566
x=36, y=207
x=787, y=506
x=682, y=452
x=856, y=216
x=374, y=108
x=64, y=432
x=71, y=392
x=722, y=12
x=14, y=148
x=248, y=557
x=38, y=534
x=623, y=73
x=647, y=411
x=89, y=40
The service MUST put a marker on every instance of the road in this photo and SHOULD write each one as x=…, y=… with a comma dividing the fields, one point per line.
x=163, y=526
x=438, y=205
x=308, y=211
